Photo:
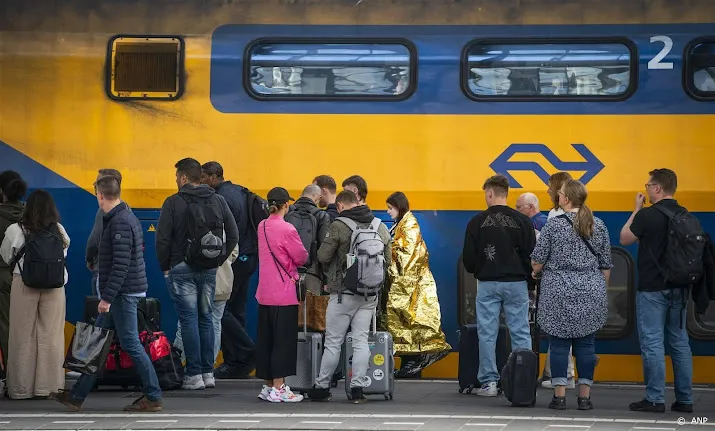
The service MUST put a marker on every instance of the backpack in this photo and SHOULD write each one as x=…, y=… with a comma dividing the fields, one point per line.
x=306, y=224
x=684, y=249
x=257, y=209
x=365, y=274
x=44, y=263
x=206, y=248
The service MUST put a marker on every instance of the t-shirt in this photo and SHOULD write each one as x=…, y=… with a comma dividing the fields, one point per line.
x=555, y=212
x=651, y=227
x=539, y=220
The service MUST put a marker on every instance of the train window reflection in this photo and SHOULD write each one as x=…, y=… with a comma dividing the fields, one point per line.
x=330, y=70
x=554, y=70
x=700, y=69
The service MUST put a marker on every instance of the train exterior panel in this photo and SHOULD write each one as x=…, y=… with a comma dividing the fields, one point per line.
x=429, y=98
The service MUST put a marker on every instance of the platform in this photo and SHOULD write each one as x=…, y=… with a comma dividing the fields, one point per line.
x=418, y=405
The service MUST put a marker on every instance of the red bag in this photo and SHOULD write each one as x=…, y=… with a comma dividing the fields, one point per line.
x=156, y=345
x=117, y=355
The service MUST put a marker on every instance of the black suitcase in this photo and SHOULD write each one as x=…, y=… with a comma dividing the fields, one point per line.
x=150, y=306
x=469, y=355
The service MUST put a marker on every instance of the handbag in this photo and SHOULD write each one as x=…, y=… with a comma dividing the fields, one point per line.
x=299, y=285
x=317, y=307
x=88, y=349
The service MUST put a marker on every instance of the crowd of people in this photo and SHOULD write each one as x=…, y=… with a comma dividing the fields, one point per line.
x=209, y=244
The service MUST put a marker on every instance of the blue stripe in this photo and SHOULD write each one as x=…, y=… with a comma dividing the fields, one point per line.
x=440, y=51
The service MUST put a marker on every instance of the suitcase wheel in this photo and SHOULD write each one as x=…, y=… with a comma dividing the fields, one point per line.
x=388, y=397
x=461, y=390
x=469, y=389
x=333, y=383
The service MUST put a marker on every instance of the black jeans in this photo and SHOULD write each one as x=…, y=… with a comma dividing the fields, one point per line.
x=239, y=350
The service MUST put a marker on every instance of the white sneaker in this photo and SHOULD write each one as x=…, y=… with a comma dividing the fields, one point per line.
x=209, y=380
x=265, y=393
x=193, y=383
x=284, y=395
x=570, y=384
x=488, y=390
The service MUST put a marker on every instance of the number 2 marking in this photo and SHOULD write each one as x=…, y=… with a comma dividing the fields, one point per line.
x=655, y=62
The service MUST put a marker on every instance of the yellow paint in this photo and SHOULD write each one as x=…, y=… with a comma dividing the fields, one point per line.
x=61, y=117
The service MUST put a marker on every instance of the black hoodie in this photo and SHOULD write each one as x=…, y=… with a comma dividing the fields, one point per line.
x=172, y=231
x=9, y=214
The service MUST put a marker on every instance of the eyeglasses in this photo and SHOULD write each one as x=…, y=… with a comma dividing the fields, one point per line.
x=649, y=185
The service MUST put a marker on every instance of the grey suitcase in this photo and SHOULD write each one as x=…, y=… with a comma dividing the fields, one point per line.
x=310, y=354
x=381, y=366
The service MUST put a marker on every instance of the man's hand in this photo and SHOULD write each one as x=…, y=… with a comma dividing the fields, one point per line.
x=90, y=266
x=103, y=306
x=640, y=201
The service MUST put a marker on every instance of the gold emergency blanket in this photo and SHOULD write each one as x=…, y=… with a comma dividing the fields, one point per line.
x=412, y=312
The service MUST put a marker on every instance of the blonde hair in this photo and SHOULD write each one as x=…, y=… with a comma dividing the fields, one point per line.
x=556, y=181
x=576, y=192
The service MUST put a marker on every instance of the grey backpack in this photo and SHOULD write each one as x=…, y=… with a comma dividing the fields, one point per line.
x=366, y=275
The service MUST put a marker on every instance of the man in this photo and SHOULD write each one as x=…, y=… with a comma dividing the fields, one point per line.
x=497, y=250
x=239, y=350
x=528, y=204
x=92, y=250
x=306, y=205
x=660, y=305
x=357, y=185
x=122, y=282
x=192, y=285
x=354, y=311
x=328, y=191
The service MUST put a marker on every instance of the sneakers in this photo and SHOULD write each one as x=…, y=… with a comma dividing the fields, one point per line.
x=209, y=380
x=558, y=403
x=225, y=372
x=63, y=397
x=647, y=406
x=584, y=403
x=319, y=394
x=570, y=384
x=144, y=404
x=682, y=408
x=357, y=396
x=284, y=395
x=265, y=392
x=193, y=383
x=488, y=390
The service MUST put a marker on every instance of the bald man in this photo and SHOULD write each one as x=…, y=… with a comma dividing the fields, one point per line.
x=528, y=204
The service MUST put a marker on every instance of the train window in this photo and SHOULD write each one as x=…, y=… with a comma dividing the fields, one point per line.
x=702, y=326
x=700, y=69
x=322, y=70
x=554, y=70
x=621, y=298
x=145, y=68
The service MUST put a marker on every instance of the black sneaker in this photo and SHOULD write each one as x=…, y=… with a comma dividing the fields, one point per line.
x=63, y=397
x=584, y=403
x=647, y=406
x=558, y=403
x=681, y=407
x=319, y=394
x=356, y=396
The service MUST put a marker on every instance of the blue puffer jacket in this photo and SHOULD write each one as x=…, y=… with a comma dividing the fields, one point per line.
x=121, y=255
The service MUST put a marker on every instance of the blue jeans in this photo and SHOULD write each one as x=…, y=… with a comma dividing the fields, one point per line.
x=192, y=291
x=122, y=317
x=584, y=349
x=217, y=313
x=658, y=314
x=491, y=296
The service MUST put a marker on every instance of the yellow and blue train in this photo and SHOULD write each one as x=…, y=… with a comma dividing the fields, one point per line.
x=429, y=97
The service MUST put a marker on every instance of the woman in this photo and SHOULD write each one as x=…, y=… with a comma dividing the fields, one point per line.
x=412, y=312
x=37, y=316
x=12, y=189
x=280, y=253
x=575, y=255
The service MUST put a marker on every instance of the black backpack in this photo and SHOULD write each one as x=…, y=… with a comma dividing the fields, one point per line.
x=257, y=209
x=206, y=248
x=44, y=263
x=306, y=223
x=684, y=249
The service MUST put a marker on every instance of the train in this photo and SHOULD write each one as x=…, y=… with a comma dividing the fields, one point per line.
x=429, y=97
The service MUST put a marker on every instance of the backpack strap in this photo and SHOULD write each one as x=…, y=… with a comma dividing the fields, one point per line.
x=588, y=244
x=667, y=211
x=375, y=224
x=348, y=222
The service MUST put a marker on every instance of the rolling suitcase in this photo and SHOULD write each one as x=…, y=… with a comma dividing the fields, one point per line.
x=310, y=354
x=150, y=306
x=469, y=355
x=381, y=365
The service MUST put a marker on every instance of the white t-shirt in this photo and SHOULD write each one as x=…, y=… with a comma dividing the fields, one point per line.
x=555, y=213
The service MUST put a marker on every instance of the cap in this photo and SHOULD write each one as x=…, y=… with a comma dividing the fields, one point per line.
x=278, y=195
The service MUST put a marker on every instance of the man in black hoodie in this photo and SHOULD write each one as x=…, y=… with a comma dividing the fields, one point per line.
x=328, y=191
x=192, y=288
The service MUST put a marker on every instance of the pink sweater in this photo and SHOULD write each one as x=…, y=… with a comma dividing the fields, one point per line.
x=275, y=287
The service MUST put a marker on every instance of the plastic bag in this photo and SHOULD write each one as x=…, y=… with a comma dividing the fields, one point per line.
x=88, y=349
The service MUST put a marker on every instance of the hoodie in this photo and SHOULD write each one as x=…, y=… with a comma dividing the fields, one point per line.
x=332, y=254
x=172, y=231
x=9, y=214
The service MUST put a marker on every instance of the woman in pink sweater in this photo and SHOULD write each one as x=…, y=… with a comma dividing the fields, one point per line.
x=280, y=253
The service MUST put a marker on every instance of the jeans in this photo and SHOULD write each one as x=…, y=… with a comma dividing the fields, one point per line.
x=547, y=366
x=216, y=315
x=491, y=296
x=354, y=313
x=239, y=349
x=658, y=314
x=192, y=291
x=585, y=350
x=122, y=317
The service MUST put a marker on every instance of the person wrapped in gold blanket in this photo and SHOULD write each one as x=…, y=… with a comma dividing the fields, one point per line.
x=411, y=310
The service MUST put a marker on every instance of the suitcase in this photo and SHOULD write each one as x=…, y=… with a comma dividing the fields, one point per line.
x=469, y=355
x=381, y=365
x=150, y=306
x=310, y=355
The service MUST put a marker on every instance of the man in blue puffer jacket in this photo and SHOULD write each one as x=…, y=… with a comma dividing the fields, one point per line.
x=122, y=281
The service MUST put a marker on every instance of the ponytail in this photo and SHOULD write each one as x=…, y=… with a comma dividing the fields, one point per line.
x=584, y=222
